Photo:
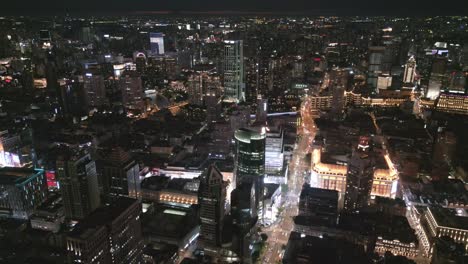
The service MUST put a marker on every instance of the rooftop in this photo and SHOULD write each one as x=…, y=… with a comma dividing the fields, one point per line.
x=10, y=175
x=449, y=218
x=101, y=217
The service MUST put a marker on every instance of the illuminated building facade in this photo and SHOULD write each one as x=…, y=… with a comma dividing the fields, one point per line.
x=157, y=43
x=358, y=181
x=375, y=67
x=274, y=157
x=438, y=222
x=250, y=156
x=78, y=184
x=94, y=90
x=212, y=197
x=410, y=71
x=327, y=176
x=111, y=234
x=453, y=103
x=21, y=191
x=396, y=247
x=333, y=176
x=234, y=83
x=121, y=174
x=131, y=88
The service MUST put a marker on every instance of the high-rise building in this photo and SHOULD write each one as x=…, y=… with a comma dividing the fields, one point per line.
x=213, y=107
x=157, y=43
x=131, y=88
x=458, y=82
x=120, y=173
x=78, y=181
x=195, y=89
x=359, y=177
x=410, y=71
x=274, y=157
x=262, y=110
x=21, y=191
x=320, y=203
x=94, y=90
x=240, y=118
x=234, y=83
x=250, y=154
x=212, y=200
x=249, y=165
x=376, y=57
x=244, y=216
x=111, y=234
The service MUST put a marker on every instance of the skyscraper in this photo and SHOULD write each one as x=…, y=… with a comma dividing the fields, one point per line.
x=21, y=191
x=376, y=57
x=94, y=90
x=131, y=88
x=77, y=176
x=249, y=163
x=410, y=71
x=250, y=154
x=111, y=234
x=244, y=217
x=157, y=43
x=359, y=177
x=234, y=83
x=212, y=199
x=262, y=110
x=120, y=173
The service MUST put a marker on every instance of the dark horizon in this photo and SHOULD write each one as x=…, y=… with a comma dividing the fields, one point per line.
x=211, y=7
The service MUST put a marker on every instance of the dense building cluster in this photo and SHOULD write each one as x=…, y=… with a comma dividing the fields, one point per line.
x=239, y=139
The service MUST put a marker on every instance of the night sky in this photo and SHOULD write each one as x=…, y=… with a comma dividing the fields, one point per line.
x=312, y=7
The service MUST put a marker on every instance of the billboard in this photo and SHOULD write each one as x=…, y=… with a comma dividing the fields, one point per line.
x=51, y=180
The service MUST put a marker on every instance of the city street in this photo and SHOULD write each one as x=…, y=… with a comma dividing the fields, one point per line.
x=278, y=233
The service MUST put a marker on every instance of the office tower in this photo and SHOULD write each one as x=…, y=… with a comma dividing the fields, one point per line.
x=94, y=90
x=319, y=203
x=458, y=82
x=338, y=100
x=249, y=154
x=44, y=35
x=240, y=118
x=439, y=65
x=21, y=191
x=77, y=177
x=120, y=173
x=244, y=218
x=234, y=86
x=274, y=158
x=85, y=34
x=376, y=57
x=442, y=155
x=212, y=200
x=131, y=88
x=251, y=79
x=140, y=61
x=110, y=234
x=157, y=43
x=359, y=177
x=213, y=107
x=195, y=89
x=262, y=110
x=410, y=71
x=71, y=98
x=249, y=165
x=384, y=81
